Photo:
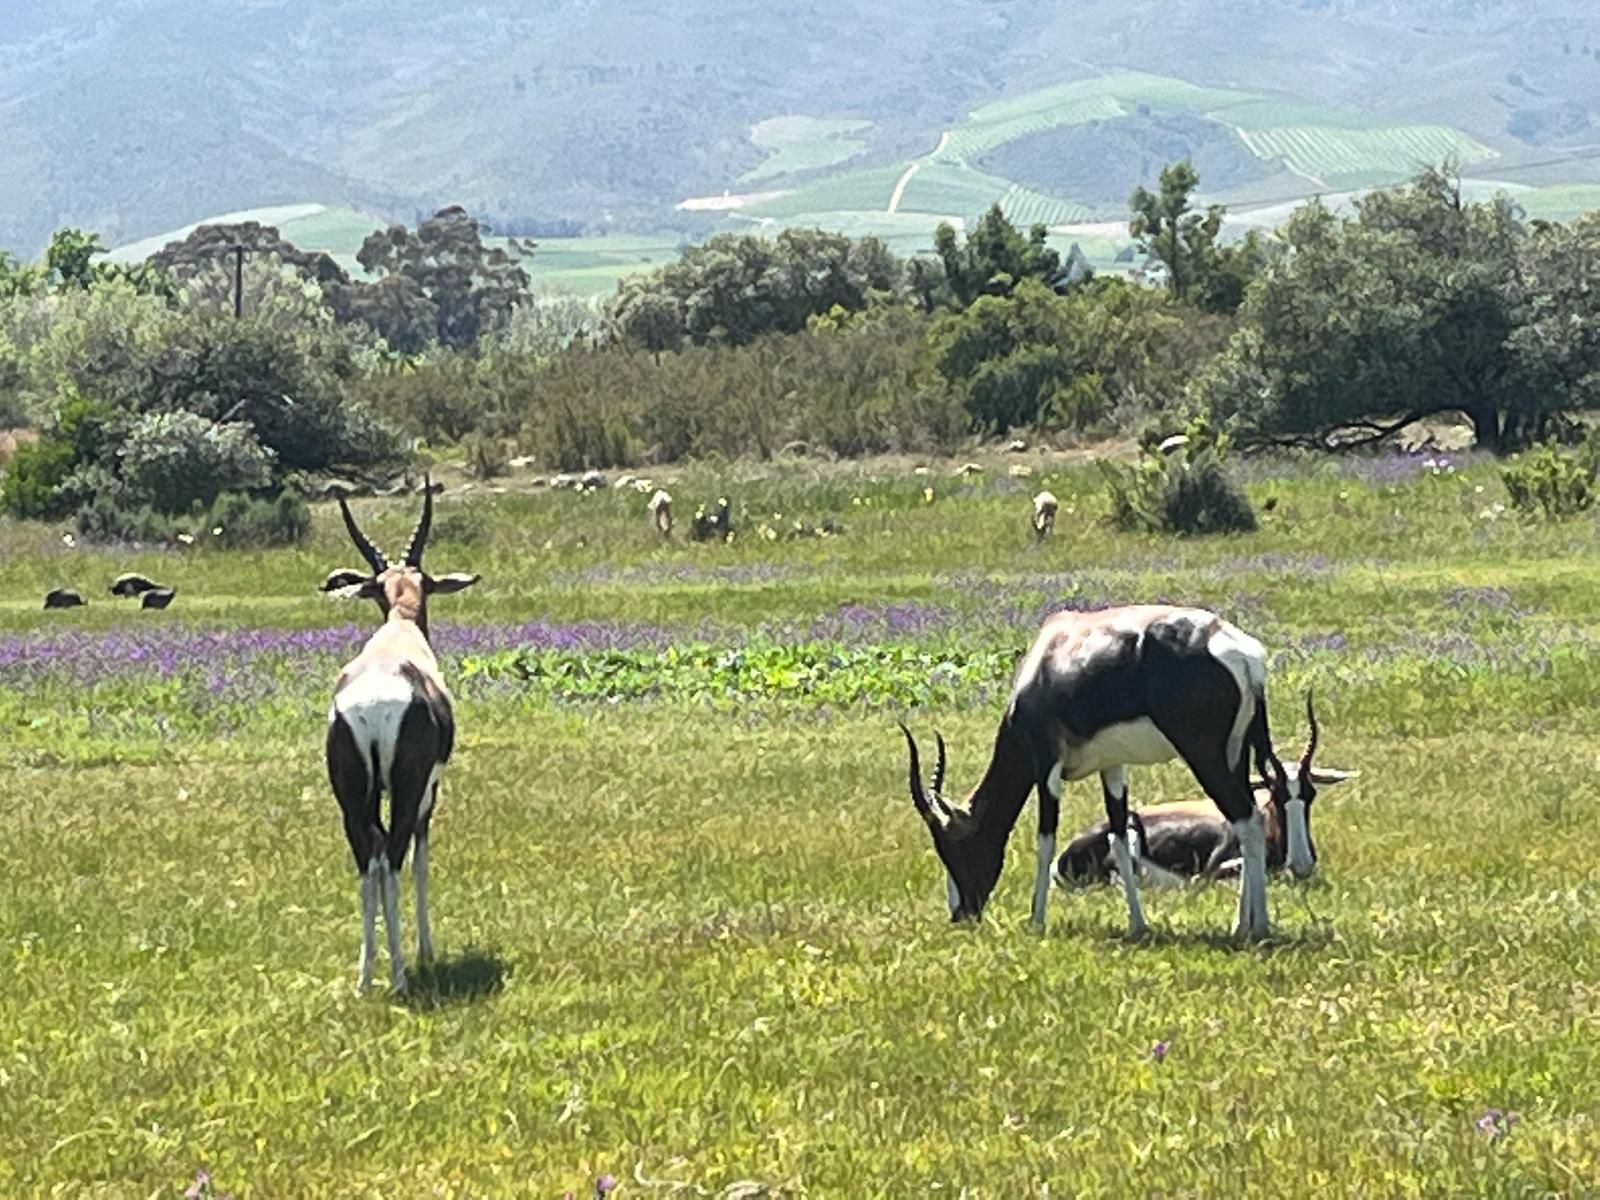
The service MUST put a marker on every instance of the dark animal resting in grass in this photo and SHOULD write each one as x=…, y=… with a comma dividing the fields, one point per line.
x=63, y=597
x=1189, y=839
x=157, y=597
x=1044, y=513
x=391, y=729
x=1101, y=691
x=131, y=584
x=716, y=525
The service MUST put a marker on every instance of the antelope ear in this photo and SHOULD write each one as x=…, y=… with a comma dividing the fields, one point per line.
x=1327, y=776
x=344, y=578
x=454, y=582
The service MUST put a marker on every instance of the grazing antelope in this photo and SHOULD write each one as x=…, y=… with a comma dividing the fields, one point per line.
x=1098, y=692
x=391, y=729
x=157, y=597
x=1189, y=839
x=63, y=597
x=1044, y=513
x=660, y=508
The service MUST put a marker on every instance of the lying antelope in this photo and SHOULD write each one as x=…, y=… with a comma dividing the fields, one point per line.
x=1044, y=513
x=391, y=729
x=1186, y=839
x=1098, y=692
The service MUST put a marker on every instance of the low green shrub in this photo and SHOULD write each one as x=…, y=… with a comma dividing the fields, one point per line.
x=1553, y=483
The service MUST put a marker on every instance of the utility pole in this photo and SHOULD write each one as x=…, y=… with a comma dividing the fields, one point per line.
x=238, y=280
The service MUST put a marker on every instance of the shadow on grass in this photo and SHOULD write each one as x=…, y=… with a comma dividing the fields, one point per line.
x=464, y=978
x=1312, y=937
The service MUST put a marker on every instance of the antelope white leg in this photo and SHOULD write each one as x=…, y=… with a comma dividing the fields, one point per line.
x=419, y=873
x=1115, y=780
x=1254, y=920
x=1130, y=888
x=369, y=921
x=1041, y=877
x=391, y=919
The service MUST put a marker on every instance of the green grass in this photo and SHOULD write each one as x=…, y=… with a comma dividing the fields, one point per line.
x=797, y=143
x=1359, y=157
x=697, y=933
x=1560, y=202
x=851, y=190
x=1126, y=87
x=970, y=139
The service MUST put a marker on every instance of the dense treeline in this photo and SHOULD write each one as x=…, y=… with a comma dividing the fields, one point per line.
x=148, y=397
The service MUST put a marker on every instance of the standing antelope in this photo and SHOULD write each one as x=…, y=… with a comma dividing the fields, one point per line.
x=1044, y=513
x=1098, y=692
x=391, y=729
x=1189, y=838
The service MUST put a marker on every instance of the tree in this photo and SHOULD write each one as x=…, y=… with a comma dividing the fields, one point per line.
x=1421, y=304
x=994, y=259
x=474, y=288
x=734, y=288
x=1009, y=355
x=1200, y=269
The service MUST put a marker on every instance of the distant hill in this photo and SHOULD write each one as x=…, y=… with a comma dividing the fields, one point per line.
x=132, y=117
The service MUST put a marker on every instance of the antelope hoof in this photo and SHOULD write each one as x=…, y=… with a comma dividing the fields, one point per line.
x=1138, y=931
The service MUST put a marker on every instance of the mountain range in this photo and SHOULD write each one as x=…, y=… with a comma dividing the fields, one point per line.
x=133, y=117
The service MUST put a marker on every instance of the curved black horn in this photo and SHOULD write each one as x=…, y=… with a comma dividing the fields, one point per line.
x=918, y=797
x=371, y=553
x=938, y=769
x=1311, y=745
x=419, y=536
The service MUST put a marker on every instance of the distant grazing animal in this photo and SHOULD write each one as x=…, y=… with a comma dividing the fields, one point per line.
x=1044, y=513
x=660, y=508
x=391, y=729
x=1189, y=838
x=131, y=584
x=157, y=597
x=63, y=597
x=1097, y=692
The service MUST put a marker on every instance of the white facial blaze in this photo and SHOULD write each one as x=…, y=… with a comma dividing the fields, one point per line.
x=1301, y=862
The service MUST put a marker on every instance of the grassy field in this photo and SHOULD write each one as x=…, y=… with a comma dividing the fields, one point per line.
x=691, y=929
x=797, y=143
x=1346, y=158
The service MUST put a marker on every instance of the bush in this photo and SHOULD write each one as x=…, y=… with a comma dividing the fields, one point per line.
x=1189, y=492
x=486, y=456
x=175, y=460
x=1553, y=483
x=235, y=521
x=36, y=483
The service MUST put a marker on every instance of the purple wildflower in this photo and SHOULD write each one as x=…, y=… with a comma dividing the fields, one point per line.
x=1159, y=1050
x=1496, y=1124
x=604, y=1186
